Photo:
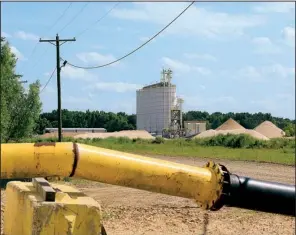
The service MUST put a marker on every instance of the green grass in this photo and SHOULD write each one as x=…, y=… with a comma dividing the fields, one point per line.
x=231, y=147
x=281, y=156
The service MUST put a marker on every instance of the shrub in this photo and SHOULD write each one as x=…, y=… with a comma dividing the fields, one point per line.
x=158, y=140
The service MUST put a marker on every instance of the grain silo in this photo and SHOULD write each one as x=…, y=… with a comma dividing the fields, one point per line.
x=158, y=106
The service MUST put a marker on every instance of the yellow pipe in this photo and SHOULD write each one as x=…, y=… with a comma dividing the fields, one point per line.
x=112, y=167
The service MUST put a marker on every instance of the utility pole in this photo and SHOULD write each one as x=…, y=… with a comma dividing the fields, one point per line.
x=59, y=67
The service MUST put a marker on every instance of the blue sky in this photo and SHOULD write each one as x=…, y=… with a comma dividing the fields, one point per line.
x=227, y=57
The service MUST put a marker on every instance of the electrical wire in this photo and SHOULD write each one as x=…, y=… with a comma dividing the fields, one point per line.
x=50, y=28
x=37, y=62
x=100, y=19
x=48, y=80
x=75, y=16
x=61, y=16
x=121, y=58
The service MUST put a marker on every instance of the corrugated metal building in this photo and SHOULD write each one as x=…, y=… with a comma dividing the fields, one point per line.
x=93, y=130
x=154, y=105
x=194, y=127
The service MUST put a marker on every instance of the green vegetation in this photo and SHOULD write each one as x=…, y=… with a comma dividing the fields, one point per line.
x=232, y=147
x=21, y=119
x=123, y=121
x=20, y=109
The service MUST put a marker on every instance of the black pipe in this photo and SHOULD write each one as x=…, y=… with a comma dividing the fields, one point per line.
x=259, y=195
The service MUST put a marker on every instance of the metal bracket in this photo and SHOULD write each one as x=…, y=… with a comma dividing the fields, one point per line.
x=44, y=189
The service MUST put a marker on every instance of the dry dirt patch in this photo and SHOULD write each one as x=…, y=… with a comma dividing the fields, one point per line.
x=136, y=212
x=130, y=211
x=129, y=134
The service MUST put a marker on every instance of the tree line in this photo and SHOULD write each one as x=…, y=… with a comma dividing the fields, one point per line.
x=122, y=121
x=21, y=115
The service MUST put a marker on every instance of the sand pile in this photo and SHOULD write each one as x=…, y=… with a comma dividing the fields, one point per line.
x=129, y=134
x=270, y=130
x=212, y=133
x=230, y=124
x=205, y=134
x=55, y=134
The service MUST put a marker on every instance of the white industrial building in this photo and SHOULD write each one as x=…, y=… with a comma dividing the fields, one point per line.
x=155, y=104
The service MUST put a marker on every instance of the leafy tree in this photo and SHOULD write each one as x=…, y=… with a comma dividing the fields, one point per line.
x=290, y=129
x=19, y=108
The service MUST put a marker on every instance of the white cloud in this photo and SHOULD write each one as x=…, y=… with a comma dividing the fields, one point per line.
x=278, y=70
x=95, y=58
x=207, y=57
x=77, y=74
x=196, y=21
x=219, y=103
x=17, y=53
x=181, y=67
x=275, y=7
x=249, y=73
x=265, y=73
x=6, y=35
x=288, y=34
x=263, y=45
x=119, y=87
x=26, y=36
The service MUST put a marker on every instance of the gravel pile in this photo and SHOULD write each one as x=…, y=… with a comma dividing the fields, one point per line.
x=129, y=134
x=270, y=130
x=230, y=124
x=212, y=133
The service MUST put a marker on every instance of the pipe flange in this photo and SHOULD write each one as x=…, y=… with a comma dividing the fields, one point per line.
x=219, y=173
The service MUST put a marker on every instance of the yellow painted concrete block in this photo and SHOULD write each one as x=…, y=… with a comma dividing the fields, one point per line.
x=72, y=213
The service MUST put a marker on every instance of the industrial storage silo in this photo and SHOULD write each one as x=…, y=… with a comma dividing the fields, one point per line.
x=154, y=105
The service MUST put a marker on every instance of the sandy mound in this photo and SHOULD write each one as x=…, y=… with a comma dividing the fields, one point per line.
x=55, y=135
x=212, y=133
x=205, y=134
x=230, y=124
x=256, y=135
x=129, y=134
x=270, y=130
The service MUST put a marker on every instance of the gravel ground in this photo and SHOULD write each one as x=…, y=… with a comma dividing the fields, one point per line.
x=129, y=211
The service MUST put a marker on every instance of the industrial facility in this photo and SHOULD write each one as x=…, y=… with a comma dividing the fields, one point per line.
x=159, y=110
x=194, y=127
x=78, y=130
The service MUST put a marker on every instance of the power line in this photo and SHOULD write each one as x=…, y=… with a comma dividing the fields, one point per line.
x=37, y=62
x=71, y=21
x=50, y=28
x=100, y=19
x=121, y=58
x=61, y=16
x=57, y=44
x=48, y=80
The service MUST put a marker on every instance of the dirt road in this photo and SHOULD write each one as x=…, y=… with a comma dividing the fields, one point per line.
x=135, y=212
x=129, y=211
